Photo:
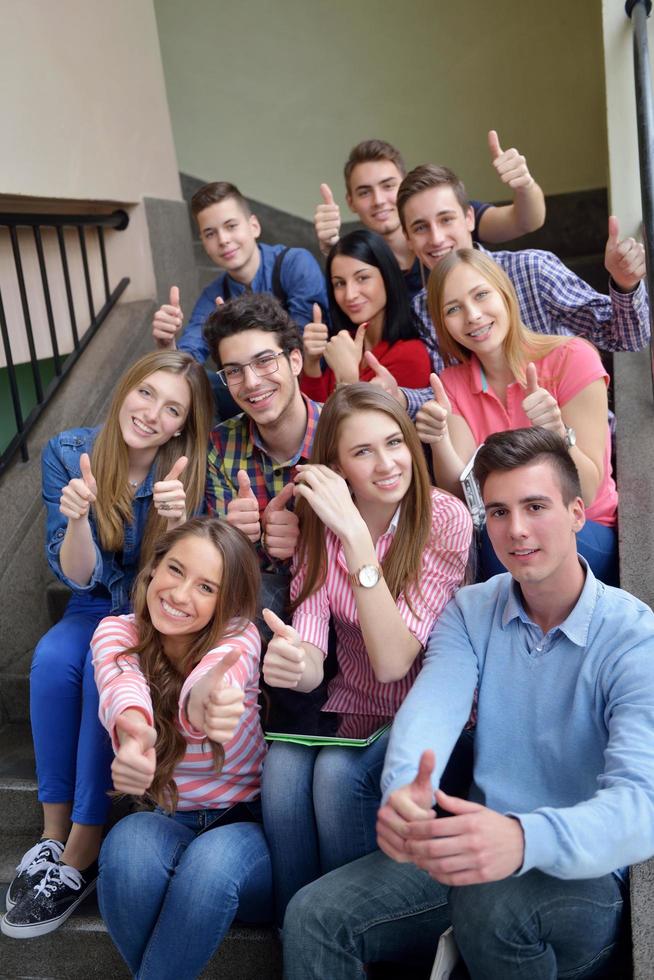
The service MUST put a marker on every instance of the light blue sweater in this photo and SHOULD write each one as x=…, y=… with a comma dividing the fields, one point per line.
x=565, y=726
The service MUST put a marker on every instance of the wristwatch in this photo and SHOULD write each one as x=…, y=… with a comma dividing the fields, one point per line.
x=570, y=436
x=367, y=576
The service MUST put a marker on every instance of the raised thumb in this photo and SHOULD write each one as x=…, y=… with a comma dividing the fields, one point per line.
x=224, y=666
x=532, y=379
x=87, y=475
x=426, y=767
x=177, y=468
x=145, y=735
x=494, y=144
x=326, y=194
x=360, y=335
x=439, y=391
x=244, y=485
x=282, y=498
x=317, y=313
x=614, y=231
x=278, y=626
x=174, y=296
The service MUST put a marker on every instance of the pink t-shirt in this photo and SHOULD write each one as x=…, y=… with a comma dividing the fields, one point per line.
x=565, y=371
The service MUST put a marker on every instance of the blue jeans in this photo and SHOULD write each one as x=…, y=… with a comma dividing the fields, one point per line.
x=532, y=927
x=73, y=751
x=319, y=810
x=169, y=892
x=597, y=543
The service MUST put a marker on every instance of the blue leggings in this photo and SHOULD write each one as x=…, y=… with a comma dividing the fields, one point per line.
x=597, y=543
x=73, y=751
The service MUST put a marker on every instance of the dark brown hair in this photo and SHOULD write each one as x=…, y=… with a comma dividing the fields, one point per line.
x=251, y=311
x=235, y=606
x=504, y=451
x=215, y=193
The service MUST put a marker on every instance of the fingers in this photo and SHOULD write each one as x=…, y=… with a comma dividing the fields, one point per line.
x=87, y=475
x=532, y=379
x=220, y=301
x=223, y=710
x=494, y=144
x=245, y=491
x=174, y=296
x=326, y=194
x=455, y=805
x=177, y=469
x=279, y=627
x=624, y=260
x=168, y=320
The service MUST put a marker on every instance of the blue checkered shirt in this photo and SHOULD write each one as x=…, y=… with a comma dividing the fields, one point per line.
x=553, y=300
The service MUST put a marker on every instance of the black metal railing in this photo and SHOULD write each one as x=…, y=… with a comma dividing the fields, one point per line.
x=639, y=11
x=83, y=223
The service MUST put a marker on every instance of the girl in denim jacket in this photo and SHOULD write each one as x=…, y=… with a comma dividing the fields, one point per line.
x=109, y=493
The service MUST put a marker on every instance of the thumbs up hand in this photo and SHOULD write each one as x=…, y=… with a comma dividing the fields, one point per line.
x=327, y=220
x=431, y=420
x=169, y=495
x=405, y=806
x=383, y=378
x=168, y=321
x=623, y=260
x=285, y=658
x=314, y=342
x=243, y=510
x=510, y=165
x=343, y=354
x=135, y=761
x=213, y=707
x=78, y=495
x=540, y=407
x=281, y=528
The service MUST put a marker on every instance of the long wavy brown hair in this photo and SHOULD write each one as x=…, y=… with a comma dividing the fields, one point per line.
x=235, y=606
x=403, y=561
x=110, y=462
x=521, y=344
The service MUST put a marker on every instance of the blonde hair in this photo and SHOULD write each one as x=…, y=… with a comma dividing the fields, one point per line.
x=521, y=344
x=236, y=604
x=403, y=561
x=110, y=461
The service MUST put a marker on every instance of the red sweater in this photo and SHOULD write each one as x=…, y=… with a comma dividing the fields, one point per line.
x=407, y=360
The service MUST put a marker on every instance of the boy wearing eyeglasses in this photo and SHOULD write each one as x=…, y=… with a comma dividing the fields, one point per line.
x=252, y=457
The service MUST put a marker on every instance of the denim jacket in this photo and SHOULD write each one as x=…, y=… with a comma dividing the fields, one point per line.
x=113, y=572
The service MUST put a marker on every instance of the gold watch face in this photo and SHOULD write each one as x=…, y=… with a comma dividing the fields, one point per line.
x=368, y=576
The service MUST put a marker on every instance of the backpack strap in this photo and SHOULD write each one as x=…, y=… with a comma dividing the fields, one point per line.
x=277, y=289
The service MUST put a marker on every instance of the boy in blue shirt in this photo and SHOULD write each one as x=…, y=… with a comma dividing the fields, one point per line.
x=531, y=868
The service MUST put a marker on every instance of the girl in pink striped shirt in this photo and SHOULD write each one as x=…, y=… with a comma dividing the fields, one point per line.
x=381, y=553
x=178, y=684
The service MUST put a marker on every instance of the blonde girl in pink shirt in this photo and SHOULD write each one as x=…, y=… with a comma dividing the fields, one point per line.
x=178, y=683
x=510, y=377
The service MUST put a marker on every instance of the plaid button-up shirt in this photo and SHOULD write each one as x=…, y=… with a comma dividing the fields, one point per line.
x=236, y=445
x=553, y=300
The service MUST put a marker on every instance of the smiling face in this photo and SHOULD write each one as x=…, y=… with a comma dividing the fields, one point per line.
x=265, y=399
x=530, y=527
x=436, y=224
x=372, y=194
x=154, y=411
x=183, y=591
x=374, y=459
x=473, y=311
x=358, y=289
x=229, y=237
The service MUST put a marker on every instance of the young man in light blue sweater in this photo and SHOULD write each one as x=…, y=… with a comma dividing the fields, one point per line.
x=531, y=869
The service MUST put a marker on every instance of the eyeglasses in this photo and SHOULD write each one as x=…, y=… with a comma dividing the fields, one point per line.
x=234, y=374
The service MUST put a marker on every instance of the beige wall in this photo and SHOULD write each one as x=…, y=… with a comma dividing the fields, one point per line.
x=624, y=186
x=273, y=95
x=84, y=116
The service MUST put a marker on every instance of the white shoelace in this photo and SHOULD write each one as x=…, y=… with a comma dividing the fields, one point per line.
x=56, y=875
x=38, y=856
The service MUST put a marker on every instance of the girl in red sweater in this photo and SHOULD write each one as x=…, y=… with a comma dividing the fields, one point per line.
x=370, y=311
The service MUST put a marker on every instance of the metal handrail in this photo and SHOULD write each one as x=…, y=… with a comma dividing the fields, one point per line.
x=639, y=11
x=118, y=220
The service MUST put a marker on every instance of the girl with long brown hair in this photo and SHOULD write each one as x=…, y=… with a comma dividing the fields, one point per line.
x=381, y=553
x=109, y=493
x=509, y=377
x=178, y=683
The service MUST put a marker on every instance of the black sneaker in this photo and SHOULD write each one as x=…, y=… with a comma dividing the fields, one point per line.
x=46, y=906
x=33, y=865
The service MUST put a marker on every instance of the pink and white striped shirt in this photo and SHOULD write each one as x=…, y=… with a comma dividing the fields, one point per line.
x=122, y=685
x=355, y=689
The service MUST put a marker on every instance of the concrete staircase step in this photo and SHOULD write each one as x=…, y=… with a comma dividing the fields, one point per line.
x=21, y=812
x=14, y=690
